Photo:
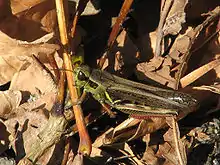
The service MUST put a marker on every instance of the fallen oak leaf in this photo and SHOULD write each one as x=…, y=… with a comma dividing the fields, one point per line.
x=28, y=124
x=150, y=157
x=49, y=135
x=13, y=47
x=171, y=20
x=158, y=76
x=9, y=101
x=175, y=18
x=43, y=39
x=32, y=77
x=178, y=145
x=129, y=130
x=92, y=7
x=20, y=6
x=41, y=16
x=10, y=65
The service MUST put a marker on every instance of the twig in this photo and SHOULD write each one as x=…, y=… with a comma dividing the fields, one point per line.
x=194, y=75
x=66, y=153
x=80, y=8
x=123, y=13
x=164, y=12
x=85, y=142
x=176, y=140
x=214, y=14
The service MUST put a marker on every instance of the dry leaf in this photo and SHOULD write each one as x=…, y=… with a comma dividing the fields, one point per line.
x=122, y=132
x=92, y=7
x=150, y=157
x=9, y=101
x=124, y=53
x=132, y=129
x=30, y=124
x=28, y=17
x=33, y=78
x=156, y=76
x=13, y=47
x=176, y=18
x=27, y=111
x=103, y=156
x=19, y=6
x=9, y=66
x=40, y=16
x=170, y=149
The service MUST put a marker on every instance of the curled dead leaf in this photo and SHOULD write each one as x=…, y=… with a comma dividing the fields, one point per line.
x=176, y=17
x=9, y=101
x=33, y=77
x=13, y=47
x=9, y=66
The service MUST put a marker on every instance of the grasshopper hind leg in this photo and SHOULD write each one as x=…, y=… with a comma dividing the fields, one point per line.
x=108, y=110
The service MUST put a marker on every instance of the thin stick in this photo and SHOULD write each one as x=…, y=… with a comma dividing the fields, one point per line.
x=80, y=8
x=123, y=12
x=66, y=153
x=176, y=140
x=163, y=14
x=85, y=142
x=194, y=75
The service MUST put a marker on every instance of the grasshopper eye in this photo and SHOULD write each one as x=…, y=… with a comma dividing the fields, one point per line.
x=82, y=77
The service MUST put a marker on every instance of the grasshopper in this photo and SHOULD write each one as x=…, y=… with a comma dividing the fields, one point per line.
x=133, y=98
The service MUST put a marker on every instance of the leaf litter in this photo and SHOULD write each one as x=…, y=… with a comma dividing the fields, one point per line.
x=181, y=52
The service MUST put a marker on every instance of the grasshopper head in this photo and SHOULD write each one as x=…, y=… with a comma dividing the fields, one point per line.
x=82, y=74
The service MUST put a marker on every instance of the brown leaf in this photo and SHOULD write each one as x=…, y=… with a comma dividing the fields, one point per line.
x=150, y=157
x=35, y=18
x=175, y=18
x=49, y=134
x=170, y=149
x=19, y=6
x=33, y=77
x=49, y=21
x=41, y=16
x=163, y=77
x=122, y=132
x=168, y=152
x=92, y=7
x=30, y=124
x=154, y=63
x=123, y=52
x=9, y=101
x=13, y=47
x=132, y=129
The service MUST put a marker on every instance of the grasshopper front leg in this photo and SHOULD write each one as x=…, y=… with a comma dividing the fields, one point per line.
x=69, y=104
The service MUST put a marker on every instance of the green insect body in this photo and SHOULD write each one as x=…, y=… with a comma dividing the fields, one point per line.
x=131, y=97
